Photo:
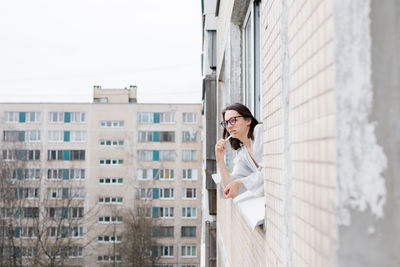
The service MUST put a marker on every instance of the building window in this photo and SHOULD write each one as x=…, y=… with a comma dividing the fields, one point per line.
x=112, y=124
x=165, y=251
x=55, y=155
x=189, y=251
x=56, y=136
x=145, y=117
x=111, y=162
x=189, y=174
x=111, y=181
x=110, y=219
x=32, y=136
x=252, y=59
x=32, y=116
x=76, y=193
x=189, y=212
x=166, y=193
x=167, y=136
x=145, y=174
x=78, y=136
x=145, y=136
x=110, y=200
x=77, y=174
x=12, y=136
x=109, y=258
x=167, y=117
x=78, y=117
x=166, y=212
x=167, y=155
x=77, y=154
x=145, y=155
x=163, y=231
x=76, y=212
x=109, y=238
x=10, y=116
x=188, y=231
x=189, y=136
x=166, y=174
x=111, y=143
x=189, y=155
x=56, y=117
x=146, y=193
x=144, y=212
x=190, y=117
x=189, y=193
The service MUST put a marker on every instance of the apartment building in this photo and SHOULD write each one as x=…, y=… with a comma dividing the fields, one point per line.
x=323, y=77
x=90, y=163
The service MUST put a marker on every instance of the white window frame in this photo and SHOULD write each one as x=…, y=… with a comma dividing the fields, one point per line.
x=189, y=174
x=145, y=193
x=185, y=193
x=167, y=174
x=189, y=117
x=167, y=117
x=56, y=136
x=111, y=200
x=32, y=116
x=56, y=117
x=145, y=155
x=112, y=124
x=111, y=143
x=146, y=117
x=11, y=116
x=148, y=172
x=167, y=155
x=252, y=95
x=78, y=117
x=145, y=136
x=189, y=251
x=78, y=136
x=111, y=162
x=166, y=212
x=32, y=136
x=189, y=136
x=189, y=155
x=189, y=210
x=163, y=191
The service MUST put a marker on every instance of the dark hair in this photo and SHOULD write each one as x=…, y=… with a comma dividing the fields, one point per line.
x=246, y=114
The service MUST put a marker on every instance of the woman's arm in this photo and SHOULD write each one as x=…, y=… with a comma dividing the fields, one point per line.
x=220, y=150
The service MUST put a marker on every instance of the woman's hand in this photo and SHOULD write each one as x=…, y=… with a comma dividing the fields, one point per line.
x=220, y=149
x=232, y=189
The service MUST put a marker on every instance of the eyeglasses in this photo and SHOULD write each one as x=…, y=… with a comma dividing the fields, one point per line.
x=231, y=121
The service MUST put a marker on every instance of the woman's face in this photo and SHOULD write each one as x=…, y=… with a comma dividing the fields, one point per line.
x=240, y=128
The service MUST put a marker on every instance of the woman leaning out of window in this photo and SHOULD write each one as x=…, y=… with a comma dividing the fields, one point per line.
x=245, y=135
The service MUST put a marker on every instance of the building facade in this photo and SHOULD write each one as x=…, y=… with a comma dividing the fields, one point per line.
x=92, y=163
x=323, y=78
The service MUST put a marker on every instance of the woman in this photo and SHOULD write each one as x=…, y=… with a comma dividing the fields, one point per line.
x=245, y=135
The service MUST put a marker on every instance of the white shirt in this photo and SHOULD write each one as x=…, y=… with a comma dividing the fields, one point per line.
x=244, y=167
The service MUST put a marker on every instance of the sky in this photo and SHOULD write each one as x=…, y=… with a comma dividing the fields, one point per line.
x=57, y=50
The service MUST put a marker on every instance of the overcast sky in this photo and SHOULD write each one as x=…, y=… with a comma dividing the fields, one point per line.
x=55, y=51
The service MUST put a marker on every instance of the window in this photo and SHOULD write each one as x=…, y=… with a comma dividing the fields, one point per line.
x=252, y=59
x=54, y=193
x=167, y=155
x=101, y=100
x=54, y=174
x=189, y=251
x=167, y=117
x=111, y=143
x=31, y=212
x=109, y=239
x=28, y=252
x=145, y=117
x=9, y=155
x=77, y=154
x=165, y=251
x=189, y=174
x=166, y=174
x=76, y=212
x=189, y=117
x=166, y=193
x=13, y=136
x=189, y=136
x=189, y=155
x=32, y=136
x=166, y=212
x=55, y=155
x=77, y=193
x=53, y=212
x=188, y=231
x=32, y=116
x=78, y=117
x=189, y=193
x=145, y=155
x=77, y=174
x=78, y=136
x=111, y=162
x=30, y=154
x=110, y=200
x=11, y=116
x=111, y=181
x=112, y=124
x=189, y=212
x=163, y=231
x=167, y=136
x=27, y=193
x=28, y=232
x=145, y=174
x=31, y=174
x=109, y=258
x=56, y=116
x=56, y=136
x=110, y=219
x=146, y=193
x=144, y=212
x=145, y=136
